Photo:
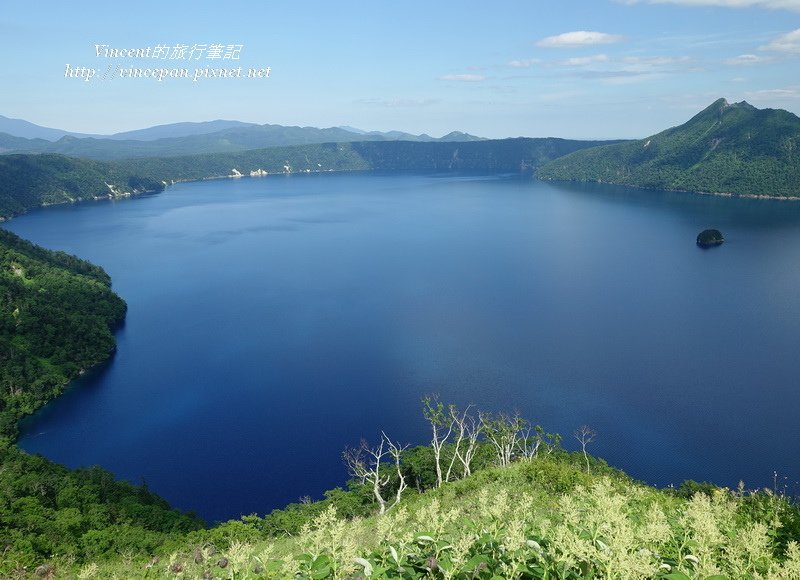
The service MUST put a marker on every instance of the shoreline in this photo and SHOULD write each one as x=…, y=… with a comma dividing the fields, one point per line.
x=719, y=194
x=261, y=173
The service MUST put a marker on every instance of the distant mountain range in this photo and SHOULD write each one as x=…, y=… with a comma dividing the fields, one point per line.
x=728, y=148
x=28, y=130
x=18, y=136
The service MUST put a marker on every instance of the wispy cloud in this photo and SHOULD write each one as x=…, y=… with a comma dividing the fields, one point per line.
x=524, y=63
x=579, y=38
x=793, y=5
x=465, y=78
x=785, y=43
x=583, y=61
x=398, y=102
x=653, y=61
x=780, y=95
x=748, y=60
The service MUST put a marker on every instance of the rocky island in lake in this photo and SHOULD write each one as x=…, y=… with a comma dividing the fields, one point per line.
x=708, y=238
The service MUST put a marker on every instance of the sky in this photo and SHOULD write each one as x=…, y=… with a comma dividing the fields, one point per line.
x=579, y=69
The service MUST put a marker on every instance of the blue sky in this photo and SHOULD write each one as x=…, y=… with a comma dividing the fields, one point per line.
x=574, y=68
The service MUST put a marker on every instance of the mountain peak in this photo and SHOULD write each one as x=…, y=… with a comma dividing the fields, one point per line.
x=727, y=148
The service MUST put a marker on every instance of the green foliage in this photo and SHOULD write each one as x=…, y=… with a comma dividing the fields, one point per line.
x=543, y=519
x=726, y=148
x=56, y=314
x=47, y=511
x=33, y=180
x=710, y=238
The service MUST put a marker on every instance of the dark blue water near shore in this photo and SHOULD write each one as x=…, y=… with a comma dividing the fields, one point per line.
x=273, y=321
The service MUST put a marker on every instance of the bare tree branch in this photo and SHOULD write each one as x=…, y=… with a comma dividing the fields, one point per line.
x=585, y=435
x=441, y=429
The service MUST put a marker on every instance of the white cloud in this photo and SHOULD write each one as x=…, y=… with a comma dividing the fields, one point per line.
x=747, y=60
x=649, y=61
x=579, y=38
x=773, y=4
x=466, y=78
x=778, y=97
x=583, y=61
x=787, y=43
x=524, y=63
x=398, y=102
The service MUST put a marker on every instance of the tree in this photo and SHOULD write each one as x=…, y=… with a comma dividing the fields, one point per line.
x=365, y=463
x=585, y=435
x=504, y=433
x=441, y=429
x=466, y=444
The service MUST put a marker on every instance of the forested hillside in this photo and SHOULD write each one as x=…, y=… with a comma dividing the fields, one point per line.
x=56, y=314
x=28, y=181
x=504, y=154
x=726, y=149
x=32, y=180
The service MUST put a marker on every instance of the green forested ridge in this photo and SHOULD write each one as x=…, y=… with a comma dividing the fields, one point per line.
x=32, y=180
x=56, y=314
x=505, y=154
x=55, y=317
x=726, y=149
x=27, y=181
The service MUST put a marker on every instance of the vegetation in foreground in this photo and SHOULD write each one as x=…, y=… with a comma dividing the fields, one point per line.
x=539, y=518
x=491, y=497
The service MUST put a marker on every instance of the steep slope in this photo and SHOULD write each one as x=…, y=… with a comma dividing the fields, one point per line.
x=55, y=317
x=27, y=181
x=726, y=148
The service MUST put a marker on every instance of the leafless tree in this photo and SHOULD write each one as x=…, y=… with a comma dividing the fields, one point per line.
x=585, y=435
x=441, y=429
x=533, y=440
x=364, y=463
x=466, y=439
x=504, y=432
x=396, y=451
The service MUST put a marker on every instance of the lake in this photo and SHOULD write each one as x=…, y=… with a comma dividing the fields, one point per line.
x=274, y=321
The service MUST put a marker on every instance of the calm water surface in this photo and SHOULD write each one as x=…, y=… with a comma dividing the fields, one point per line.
x=274, y=321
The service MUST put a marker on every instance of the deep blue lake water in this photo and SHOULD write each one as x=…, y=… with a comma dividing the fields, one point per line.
x=274, y=321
